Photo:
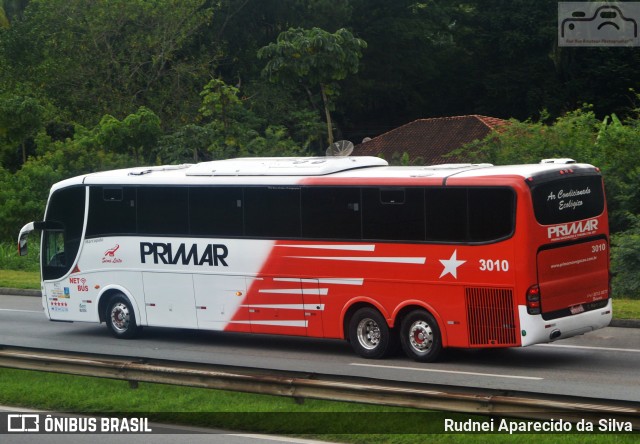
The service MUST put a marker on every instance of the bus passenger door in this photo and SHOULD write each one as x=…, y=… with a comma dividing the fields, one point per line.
x=169, y=300
x=220, y=302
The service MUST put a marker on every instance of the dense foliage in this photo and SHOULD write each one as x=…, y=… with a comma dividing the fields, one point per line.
x=92, y=85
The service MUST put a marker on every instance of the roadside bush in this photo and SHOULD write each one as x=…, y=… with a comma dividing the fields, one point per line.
x=10, y=260
x=625, y=262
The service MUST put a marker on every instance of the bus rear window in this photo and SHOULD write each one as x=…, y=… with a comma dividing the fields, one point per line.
x=569, y=199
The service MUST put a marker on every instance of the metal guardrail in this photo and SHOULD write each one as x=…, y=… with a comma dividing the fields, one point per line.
x=329, y=387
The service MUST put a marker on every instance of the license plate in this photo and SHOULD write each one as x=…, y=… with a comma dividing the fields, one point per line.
x=576, y=309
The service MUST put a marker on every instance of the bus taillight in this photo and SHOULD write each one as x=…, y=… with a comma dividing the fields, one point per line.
x=533, y=300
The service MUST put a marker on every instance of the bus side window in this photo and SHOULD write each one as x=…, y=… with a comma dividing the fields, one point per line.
x=446, y=213
x=393, y=214
x=163, y=210
x=216, y=211
x=272, y=212
x=112, y=210
x=491, y=213
x=331, y=213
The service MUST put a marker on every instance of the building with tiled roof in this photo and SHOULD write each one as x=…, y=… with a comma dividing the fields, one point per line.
x=427, y=141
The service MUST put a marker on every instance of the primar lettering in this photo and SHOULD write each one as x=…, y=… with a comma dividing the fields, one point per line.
x=213, y=254
x=575, y=229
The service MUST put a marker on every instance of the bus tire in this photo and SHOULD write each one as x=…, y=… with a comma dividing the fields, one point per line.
x=120, y=318
x=420, y=336
x=369, y=334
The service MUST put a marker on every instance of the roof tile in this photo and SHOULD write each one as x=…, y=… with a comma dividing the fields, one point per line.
x=430, y=139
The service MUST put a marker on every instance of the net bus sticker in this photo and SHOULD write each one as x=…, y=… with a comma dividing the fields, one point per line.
x=573, y=230
x=79, y=283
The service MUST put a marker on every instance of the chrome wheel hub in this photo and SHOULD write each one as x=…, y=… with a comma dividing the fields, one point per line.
x=369, y=333
x=421, y=336
x=120, y=317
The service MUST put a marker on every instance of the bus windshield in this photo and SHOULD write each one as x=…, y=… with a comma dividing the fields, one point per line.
x=60, y=245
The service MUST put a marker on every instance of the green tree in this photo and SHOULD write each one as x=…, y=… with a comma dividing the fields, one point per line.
x=413, y=67
x=108, y=145
x=136, y=135
x=625, y=261
x=20, y=119
x=23, y=195
x=189, y=143
x=4, y=22
x=573, y=135
x=227, y=128
x=14, y=9
x=96, y=58
x=508, y=47
x=220, y=101
x=315, y=57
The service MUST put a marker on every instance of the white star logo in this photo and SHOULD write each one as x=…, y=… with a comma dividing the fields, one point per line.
x=451, y=265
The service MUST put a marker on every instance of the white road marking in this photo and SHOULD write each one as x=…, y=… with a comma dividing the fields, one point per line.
x=22, y=311
x=277, y=438
x=453, y=372
x=583, y=347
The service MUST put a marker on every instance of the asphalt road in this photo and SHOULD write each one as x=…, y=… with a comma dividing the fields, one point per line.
x=604, y=363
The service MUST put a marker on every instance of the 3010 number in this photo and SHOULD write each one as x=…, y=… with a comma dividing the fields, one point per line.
x=494, y=265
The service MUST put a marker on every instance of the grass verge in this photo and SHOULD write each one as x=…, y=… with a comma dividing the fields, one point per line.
x=626, y=308
x=335, y=421
x=26, y=280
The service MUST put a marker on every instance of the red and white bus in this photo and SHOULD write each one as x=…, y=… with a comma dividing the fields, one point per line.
x=465, y=255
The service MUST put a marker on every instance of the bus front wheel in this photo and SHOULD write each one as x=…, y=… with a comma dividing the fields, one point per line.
x=120, y=318
x=369, y=334
x=420, y=336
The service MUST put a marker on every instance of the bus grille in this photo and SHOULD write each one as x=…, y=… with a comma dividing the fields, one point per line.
x=490, y=316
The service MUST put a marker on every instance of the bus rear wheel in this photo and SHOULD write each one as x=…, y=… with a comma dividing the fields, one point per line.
x=120, y=318
x=420, y=336
x=369, y=334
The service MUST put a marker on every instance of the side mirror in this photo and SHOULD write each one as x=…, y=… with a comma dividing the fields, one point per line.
x=28, y=228
x=22, y=238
